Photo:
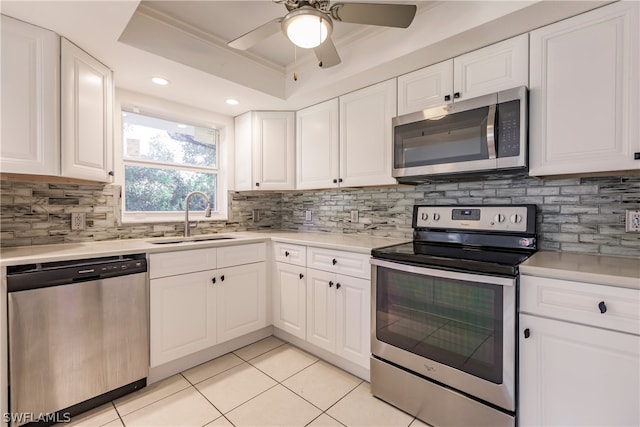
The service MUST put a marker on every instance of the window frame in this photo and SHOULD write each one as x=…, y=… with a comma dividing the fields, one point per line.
x=166, y=110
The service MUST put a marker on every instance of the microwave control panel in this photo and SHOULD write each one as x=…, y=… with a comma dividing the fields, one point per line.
x=508, y=129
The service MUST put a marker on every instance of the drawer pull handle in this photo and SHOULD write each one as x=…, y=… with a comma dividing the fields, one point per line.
x=338, y=285
x=301, y=276
x=603, y=307
x=527, y=333
x=330, y=284
x=286, y=253
x=213, y=280
x=222, y=277
x=334, y=262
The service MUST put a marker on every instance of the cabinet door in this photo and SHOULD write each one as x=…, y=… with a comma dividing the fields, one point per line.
x=366, y=135
x=317, y=145
x=289, y=299
x=243, y=152
x=575, y=375
x=584, y=93
x=273, y=150
x=182, y=316
x=241, y=300
x=353, y=310
x=425, y=88
x=30, y=99
x=87, y=115
x=501, y=66
x=321, y=309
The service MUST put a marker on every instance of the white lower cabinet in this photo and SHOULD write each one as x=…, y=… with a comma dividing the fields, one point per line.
x=573, y=371
x=241, y=300
x=182, y=315
x=194, y=305
x=338, y=308
x=289, y=299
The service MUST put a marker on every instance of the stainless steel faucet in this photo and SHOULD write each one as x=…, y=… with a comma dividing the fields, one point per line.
x=207, y=212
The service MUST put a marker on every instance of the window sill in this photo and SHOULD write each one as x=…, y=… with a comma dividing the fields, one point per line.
x=170, y=217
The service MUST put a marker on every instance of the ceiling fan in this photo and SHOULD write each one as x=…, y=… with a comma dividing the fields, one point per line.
x=309, y=23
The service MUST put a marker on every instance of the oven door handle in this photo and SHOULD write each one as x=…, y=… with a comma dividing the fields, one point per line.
x=445, y=274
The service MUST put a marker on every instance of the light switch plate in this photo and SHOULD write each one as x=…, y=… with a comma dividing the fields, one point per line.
x=307, y=215
x=355, y=217
x=633, y=221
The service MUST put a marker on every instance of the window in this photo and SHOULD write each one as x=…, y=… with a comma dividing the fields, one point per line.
x=165, y=160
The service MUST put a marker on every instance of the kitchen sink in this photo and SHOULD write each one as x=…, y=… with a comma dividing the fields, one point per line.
x=189, y=240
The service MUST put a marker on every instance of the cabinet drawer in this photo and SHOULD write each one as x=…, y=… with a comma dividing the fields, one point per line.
x=291, y=254
x=348, y=263
x=241, y=254
x=181, y=262
x=582, y=303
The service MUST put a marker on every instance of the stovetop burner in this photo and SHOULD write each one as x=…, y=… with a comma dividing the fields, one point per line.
x=482, y=239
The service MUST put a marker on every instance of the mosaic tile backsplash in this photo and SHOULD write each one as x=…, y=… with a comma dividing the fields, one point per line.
x=574, y=214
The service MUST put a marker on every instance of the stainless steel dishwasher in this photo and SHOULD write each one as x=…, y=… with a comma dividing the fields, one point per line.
x=78, y=335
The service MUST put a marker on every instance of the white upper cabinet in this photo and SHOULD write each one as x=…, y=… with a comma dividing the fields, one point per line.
x=366, y=135
x=500, y=66
x=584, y=93
x=317, y=146
x=265, y=151
x=30, y=99
x=87, y=114
x=425, y=88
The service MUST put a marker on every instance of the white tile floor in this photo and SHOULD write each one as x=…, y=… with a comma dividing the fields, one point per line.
x=268, y=383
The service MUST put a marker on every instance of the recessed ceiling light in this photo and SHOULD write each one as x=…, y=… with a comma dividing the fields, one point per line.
x=160, y=81
x=232, y=101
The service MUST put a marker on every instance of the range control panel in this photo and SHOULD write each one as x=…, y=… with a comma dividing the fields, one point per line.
x=489, y=218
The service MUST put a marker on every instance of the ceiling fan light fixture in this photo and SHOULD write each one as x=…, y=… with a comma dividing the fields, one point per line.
x=307, y=27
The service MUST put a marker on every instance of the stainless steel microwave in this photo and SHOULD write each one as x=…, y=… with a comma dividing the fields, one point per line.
x=482, y=134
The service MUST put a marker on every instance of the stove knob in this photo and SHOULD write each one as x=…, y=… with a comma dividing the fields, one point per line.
x=424, y=216
x=436, y=216
x=499, y=218
x=515, y=218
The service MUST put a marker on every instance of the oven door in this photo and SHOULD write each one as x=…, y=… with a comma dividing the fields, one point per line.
x=452, y=327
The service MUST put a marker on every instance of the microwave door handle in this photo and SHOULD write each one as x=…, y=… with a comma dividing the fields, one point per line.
x=491, y=131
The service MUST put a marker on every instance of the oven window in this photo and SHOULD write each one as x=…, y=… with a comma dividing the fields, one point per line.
x=453, y=322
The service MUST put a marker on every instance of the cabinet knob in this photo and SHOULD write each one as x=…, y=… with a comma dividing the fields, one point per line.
x=110, y=173
x=447, y=97
x=339, y=179
x=301, y=276
x=338, y=285
x=222, y=278
x=334, y=262
x=335, y=181
x=213, y=280
x=527, y=333
x=330, y=283
x=286, y=253
x=456, y=95
x=257, y=184
x=636, y=156
x=603, y=307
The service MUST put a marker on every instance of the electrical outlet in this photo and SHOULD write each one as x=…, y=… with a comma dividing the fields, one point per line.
x=255, y=215
x=78, y=220
x=633, y=221
x=355, y=217
x=307, y=215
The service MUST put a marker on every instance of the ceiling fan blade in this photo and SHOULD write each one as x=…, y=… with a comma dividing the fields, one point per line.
x=327, y=54
x=388, y=15
x=256, y=35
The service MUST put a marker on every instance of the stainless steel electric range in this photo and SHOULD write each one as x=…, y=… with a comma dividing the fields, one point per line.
x=443, y=337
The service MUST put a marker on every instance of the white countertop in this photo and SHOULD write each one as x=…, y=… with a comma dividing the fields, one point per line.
x=68, y=251
x=599, y=269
